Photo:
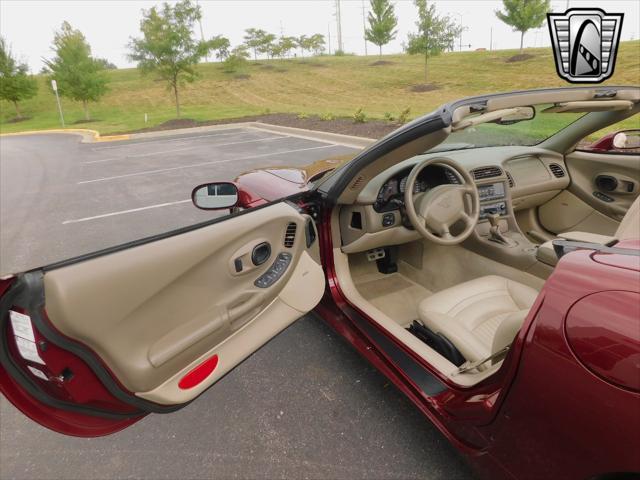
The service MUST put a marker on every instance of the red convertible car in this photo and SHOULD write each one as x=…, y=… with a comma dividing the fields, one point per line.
x=481, y=257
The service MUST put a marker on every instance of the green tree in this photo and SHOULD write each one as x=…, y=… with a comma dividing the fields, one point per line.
x=268, y=45
x=220, y=45
x=80, y=77
x=236, y=60
x=435, y=34
x=168, y=46
x=15, y=82
x=315, y=43
x=106, y=64
x=253, y=39
x=285, y=45
x=524, y=15
x=301, y=41
x=382, y=23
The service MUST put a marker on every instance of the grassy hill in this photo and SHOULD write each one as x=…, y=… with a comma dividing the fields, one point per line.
x=335, y=85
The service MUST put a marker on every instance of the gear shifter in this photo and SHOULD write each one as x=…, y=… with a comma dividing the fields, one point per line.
x=494, y=232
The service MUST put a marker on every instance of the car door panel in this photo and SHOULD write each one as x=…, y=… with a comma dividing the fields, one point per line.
x=578, y=209
x=155, y=312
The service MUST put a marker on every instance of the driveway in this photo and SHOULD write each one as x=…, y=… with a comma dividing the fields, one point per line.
x=305, y=406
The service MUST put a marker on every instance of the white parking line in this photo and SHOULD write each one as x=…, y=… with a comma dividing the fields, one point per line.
x=180, y=139
x=131, y=210
x=169, y=169
x=150, y=154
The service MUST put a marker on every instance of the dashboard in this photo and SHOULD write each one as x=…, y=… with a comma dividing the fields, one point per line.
x=391, y=194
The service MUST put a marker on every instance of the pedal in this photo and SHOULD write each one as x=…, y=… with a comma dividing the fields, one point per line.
x=375, y=254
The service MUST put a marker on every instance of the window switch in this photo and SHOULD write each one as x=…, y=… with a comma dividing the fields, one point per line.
x=238, y=264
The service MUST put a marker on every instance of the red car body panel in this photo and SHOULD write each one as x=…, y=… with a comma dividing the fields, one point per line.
x=565, y=403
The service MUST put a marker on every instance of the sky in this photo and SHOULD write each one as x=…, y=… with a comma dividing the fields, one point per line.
x=28, y=26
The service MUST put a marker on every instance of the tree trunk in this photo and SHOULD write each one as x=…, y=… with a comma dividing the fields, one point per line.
x=255, y=55
x=175, y=93
x=380, y=46
x=521, y=41
x=85, y=105
x=426, y=67
x=18, y=114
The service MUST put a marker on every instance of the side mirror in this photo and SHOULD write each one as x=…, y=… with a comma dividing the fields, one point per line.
x=215, y=196
x=627, y=140
x=520, y=115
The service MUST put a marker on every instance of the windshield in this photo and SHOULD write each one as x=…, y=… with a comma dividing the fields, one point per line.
x=524, y=133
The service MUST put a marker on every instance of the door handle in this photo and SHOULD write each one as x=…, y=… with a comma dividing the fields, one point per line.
x=244, y=307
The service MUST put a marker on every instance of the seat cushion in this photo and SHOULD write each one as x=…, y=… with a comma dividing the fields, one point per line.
x=470, y=314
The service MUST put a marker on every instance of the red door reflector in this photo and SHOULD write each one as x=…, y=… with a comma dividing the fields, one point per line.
x=199, y=373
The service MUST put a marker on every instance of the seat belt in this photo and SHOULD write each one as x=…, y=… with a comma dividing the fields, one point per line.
x=467, y=367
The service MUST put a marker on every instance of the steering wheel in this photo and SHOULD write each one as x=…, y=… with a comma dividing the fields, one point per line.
x=433, y=213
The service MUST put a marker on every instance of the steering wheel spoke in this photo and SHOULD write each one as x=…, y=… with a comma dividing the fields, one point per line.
x=433, y=213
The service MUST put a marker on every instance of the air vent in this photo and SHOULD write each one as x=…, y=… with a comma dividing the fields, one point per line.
x=510, y=178
x=357, y=183
x=290, y=235
x=486, y=172
x=557, y=170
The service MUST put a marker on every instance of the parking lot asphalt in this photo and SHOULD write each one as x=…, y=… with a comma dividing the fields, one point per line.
x=304, y=406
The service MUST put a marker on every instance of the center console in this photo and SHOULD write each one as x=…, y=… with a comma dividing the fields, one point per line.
x=493, y=199
x=497, y=234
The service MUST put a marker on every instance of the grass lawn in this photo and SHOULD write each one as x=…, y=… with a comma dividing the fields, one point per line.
x=336, y=85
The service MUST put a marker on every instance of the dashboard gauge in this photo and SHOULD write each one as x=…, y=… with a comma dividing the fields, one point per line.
x=387, y=191
x=418, y=187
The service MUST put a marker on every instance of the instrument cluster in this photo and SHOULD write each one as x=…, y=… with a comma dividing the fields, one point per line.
x=391, y=195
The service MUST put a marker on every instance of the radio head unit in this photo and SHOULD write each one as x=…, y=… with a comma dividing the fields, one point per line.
x=492, y=191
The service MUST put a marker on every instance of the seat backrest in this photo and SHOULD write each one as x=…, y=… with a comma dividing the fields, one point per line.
x=629, y=227
x=507, y=330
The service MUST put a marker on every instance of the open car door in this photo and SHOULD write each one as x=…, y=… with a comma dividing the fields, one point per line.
x=91, y=345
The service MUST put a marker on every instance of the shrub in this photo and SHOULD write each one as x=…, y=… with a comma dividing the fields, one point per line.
x=404, y=115
x=359, y=116
x=388, y=116
x=339, y=53
x=327, y=117
x=302, y=116
x=234, y=63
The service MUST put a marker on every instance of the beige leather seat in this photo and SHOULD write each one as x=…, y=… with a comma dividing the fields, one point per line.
x=481, y=316
x=629, y=228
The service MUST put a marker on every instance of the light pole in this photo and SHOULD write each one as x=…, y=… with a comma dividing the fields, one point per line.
x=54, y=86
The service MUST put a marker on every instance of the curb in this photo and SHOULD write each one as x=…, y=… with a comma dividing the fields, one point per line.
x=92, y=136
x=88, y=136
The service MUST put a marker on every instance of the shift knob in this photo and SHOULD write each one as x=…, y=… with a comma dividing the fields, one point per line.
x=493, y=218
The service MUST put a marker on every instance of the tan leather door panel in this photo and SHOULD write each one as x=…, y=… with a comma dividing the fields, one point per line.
x=155, y=311
x=578, y=209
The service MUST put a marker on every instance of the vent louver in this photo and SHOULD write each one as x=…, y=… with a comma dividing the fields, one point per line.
x=290, y=235
x=486, y=172
x=510, y=178
x=357, y=183
x=557, y=170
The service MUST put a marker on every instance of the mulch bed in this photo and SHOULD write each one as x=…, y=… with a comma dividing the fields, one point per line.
x=345, y=126
x=519, y=58
x=423, y=87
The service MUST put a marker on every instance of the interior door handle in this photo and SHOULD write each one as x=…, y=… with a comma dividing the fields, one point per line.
x=245, y=306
